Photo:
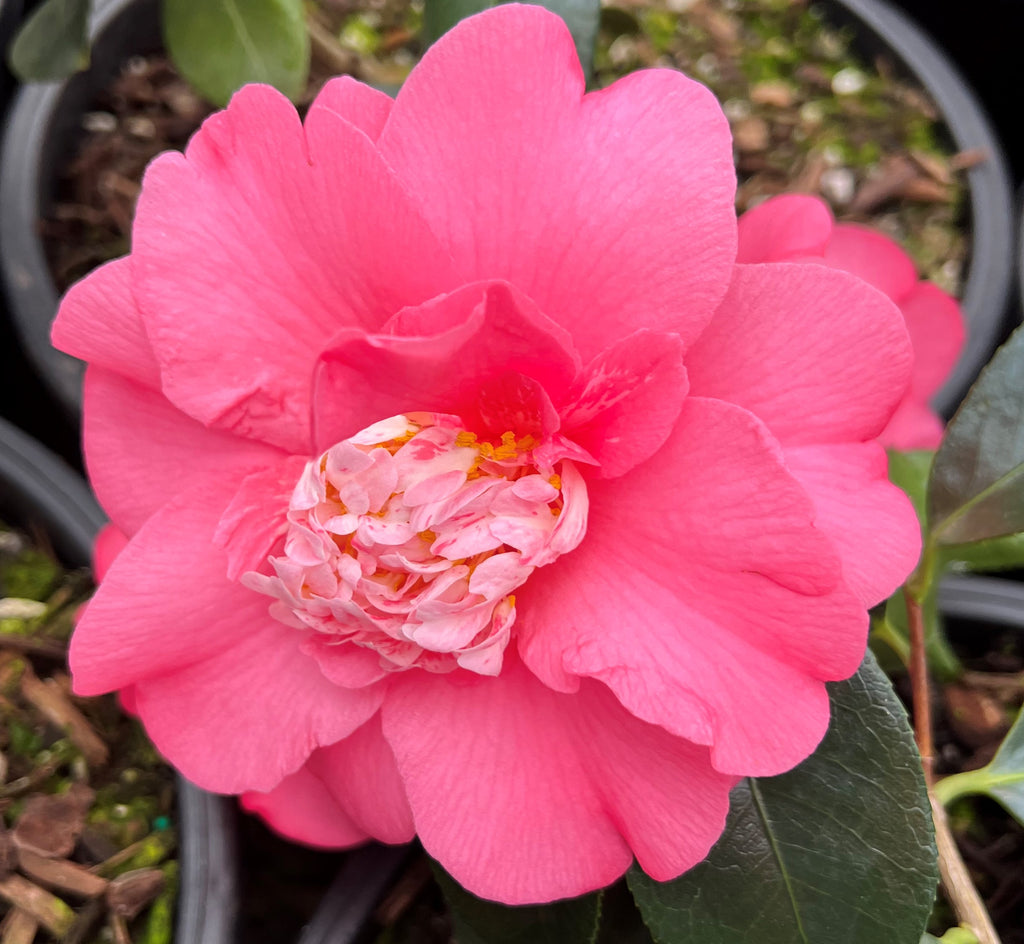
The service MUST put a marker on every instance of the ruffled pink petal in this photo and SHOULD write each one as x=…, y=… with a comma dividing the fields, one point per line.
x=936, y=326
x=628, y=401
x=109, y=543
x=873, y=257
x=729, y=607
x=141, y=450
x=437, y=358
x=816, y=354
x=913, y=426
x=251, y=714
x=870, y=521
x=354, y=102
x=302, y=809
x=361, y=773
x=166, y=601
x=278, y=237
x=99, y=322
x=493, y=135
x=527, y=795
x=784, y=229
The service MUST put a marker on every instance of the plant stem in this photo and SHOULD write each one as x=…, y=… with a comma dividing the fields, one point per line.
x=919, y=686
x=956, y=880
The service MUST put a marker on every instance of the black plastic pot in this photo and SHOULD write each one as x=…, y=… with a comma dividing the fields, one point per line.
x=881, y=28
x=44, y=122
x=37, y=488
x=43, y=126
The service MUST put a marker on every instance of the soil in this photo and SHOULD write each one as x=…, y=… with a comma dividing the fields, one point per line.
x=87, y=833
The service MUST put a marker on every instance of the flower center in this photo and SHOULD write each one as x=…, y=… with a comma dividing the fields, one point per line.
x=410, y=537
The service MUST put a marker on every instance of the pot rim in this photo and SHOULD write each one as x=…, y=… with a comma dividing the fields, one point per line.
x=34, y=479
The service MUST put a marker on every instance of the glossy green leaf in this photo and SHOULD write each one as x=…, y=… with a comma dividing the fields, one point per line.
x=976, y=490
x=838, y=851
x=219, y=45
x=53, y=42
x=583, y=17
x=1002, y=778
x=573, y=921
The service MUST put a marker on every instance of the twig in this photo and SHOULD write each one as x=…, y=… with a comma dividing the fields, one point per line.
x=327, y=50
x=920, y=688
x=956, y=880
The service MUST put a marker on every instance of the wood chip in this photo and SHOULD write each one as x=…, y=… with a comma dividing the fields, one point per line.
x=934, y=166
x=19, y=927
x=976, y=717
x=52, y=913
x=51, y=701
x=965, y=160
x=128, y=894
x=50, y=826
x=751, y=134
x=88, y=919
x=8, y=852
x=893, y=175
x=119, y=929
x=924, y=190
x=773, y=93
x=62, y=875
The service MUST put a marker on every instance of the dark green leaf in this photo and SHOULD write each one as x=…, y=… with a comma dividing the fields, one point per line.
x=838, y=851
x=976, y=490
x=219, y=45
x=583, y=18
x=573, y=921
x=52, y=43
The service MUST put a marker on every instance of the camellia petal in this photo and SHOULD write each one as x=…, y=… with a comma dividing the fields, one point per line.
x=302, y=808
x=358, y=104
x=105, y=297
x=772, y=350
x=208, y=724
x=133, y=435
x=559, y=782
x=799, y=228
x=196, y=219
x=494, y=119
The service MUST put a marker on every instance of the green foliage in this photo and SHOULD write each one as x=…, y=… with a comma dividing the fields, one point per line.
x=573, y=921
x=838, y=851
x=976, y=491
x=52, y=43
x=219, y=45
x=582, y=17
x=1002, y=778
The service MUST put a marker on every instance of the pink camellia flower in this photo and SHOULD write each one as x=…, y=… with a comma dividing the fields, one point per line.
x=797, y=227
x=473, y=490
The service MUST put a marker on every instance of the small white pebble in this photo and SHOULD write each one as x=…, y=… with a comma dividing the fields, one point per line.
x=137, y=65
x=120, y=811
x=141, y=127
x=812, y=113
x=99, y=122
x=622, y=50
x=707, y=66
x=19, y=609
x=849, y=81
x=832, y=156
x=681, y=6
x=838, y=184
x=10, y=542
x=736, y=109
